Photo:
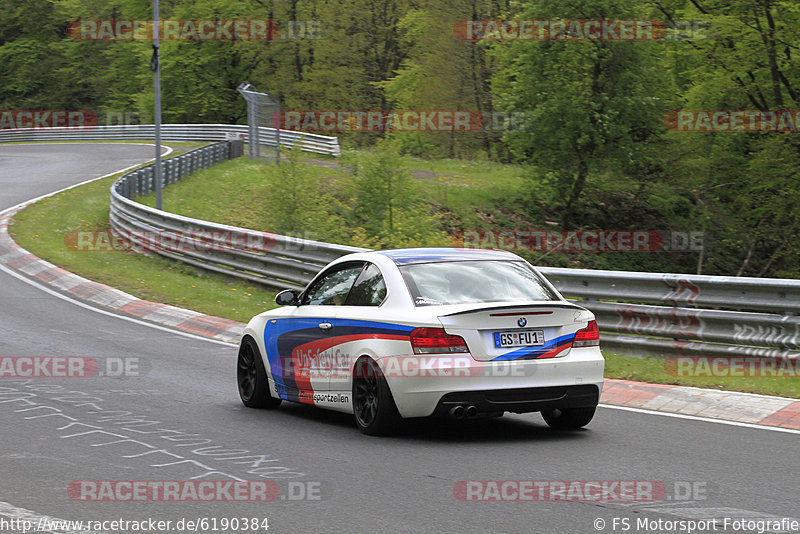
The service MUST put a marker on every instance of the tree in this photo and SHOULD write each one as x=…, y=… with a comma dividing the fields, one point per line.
x=747, y=181
x=445, y=73
x=595, y=106
x=387, y=211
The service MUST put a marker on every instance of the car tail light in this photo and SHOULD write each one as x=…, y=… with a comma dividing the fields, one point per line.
x=587, y=337
x=436, y=341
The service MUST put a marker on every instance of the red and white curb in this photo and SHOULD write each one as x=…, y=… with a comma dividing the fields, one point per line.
x=744, y=408
x=16, y=257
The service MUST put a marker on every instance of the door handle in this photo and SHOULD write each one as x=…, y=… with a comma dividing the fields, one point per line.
x=325, y=326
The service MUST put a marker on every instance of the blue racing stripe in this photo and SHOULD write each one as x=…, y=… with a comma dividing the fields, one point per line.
x=531, y=353
x=287, y=333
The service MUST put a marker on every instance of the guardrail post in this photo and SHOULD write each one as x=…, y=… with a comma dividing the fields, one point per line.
x=236, y=149
x=166, y=178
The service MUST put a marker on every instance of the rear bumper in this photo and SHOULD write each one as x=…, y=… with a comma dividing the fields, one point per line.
x=520, y=400
x=518, y=386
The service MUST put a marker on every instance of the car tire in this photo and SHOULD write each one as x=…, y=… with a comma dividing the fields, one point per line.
x=374, y=408
x=251, y=377
x=568, y=418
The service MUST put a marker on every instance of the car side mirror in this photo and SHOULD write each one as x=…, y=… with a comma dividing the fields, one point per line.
x=287, y=297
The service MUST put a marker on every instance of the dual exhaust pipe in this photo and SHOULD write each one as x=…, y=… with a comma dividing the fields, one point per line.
x=460, y=412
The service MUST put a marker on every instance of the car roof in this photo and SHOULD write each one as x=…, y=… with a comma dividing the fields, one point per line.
x=406, y=256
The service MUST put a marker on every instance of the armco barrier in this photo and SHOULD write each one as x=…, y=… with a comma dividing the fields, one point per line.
x=320, y=144
x=142, y=182
x=637, y=312
x=272, y=260
x=681, y=324
x=738, y=293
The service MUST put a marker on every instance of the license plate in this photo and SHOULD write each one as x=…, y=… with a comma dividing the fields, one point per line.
x=518, y=338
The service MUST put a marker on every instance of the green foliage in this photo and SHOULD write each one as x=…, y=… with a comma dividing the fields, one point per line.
x=386, y=209
x=412, y=144
x=594, y=106
x=299, y=204
x=593, y=143
x=441, y=72
x=745, y=183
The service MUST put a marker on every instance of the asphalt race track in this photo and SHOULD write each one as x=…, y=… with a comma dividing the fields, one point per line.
x=179, y=417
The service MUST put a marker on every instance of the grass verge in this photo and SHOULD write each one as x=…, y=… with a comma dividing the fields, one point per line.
x=652, y=370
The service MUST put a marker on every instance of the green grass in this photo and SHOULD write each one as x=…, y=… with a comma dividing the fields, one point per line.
x=655, y=371
x=467, y=195
x=235, y=193
x=472, y=194
x=43, y=227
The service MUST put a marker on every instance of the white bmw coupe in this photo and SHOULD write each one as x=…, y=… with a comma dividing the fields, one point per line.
x=425, y=332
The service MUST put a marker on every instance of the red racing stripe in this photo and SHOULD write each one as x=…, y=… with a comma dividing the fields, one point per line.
x=302, y=376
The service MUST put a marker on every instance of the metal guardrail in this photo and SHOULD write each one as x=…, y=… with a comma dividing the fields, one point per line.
x=738, y=293
x=320, y=144
x=681, y=325
x=636, y=312
x=275, y=261
x=141, y=182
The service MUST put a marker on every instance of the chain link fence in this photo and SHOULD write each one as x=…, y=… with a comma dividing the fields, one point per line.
x=262, y=110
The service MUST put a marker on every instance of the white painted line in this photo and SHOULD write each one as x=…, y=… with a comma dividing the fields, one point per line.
x=90, y=180
x=754, y=426
x=732, y=393
x=83, y=304
x=106, y=312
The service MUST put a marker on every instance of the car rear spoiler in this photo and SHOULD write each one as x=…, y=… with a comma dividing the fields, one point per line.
x=555, y=304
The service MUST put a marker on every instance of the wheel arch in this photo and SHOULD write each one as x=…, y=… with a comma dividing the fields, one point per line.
x=250, y=332
x=380, y=362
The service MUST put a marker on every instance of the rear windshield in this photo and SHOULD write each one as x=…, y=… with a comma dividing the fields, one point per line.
x=462, y=282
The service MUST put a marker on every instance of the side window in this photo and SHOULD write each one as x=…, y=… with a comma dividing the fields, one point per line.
x=332, y=288
x=369, y=289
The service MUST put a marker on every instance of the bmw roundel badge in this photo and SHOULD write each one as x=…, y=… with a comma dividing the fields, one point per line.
x=522, y=321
